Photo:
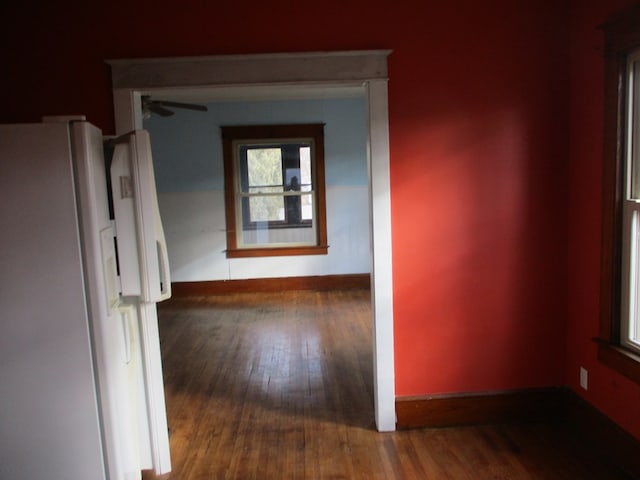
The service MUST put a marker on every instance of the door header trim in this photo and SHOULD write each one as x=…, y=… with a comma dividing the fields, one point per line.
x=268, y=68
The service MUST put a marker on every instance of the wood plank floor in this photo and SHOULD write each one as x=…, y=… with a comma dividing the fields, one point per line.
x=279, y=386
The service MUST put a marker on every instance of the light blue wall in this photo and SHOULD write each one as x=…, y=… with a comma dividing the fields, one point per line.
x=188, y=163
x=187, y=146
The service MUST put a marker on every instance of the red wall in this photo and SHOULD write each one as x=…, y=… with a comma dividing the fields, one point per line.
x=479, y=125
x=616, y=396
x=478, y=164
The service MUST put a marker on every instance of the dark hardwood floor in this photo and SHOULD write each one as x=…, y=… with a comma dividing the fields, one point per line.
x=279, y=386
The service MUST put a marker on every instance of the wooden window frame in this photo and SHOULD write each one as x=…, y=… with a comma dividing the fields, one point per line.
x=622, y=36
x=232, y=134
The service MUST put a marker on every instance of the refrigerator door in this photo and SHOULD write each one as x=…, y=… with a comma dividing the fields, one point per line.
x=49, y=423
x=110, y=326
x=144, y=274
x=144, y=266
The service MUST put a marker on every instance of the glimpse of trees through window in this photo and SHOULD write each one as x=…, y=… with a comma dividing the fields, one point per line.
x=279, y=189
x=264, y=169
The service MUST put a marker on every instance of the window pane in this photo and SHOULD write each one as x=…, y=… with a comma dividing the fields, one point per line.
x=307, y=186
x=264, y=169
x=266, y=208
x=263, y=235
x=305, y=166
x=307, y=207
x=630, y=330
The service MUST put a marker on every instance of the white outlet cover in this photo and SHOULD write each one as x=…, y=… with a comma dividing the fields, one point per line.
x=584, y=378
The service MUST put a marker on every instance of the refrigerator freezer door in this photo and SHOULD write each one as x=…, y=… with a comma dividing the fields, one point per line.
x=125, y=213
x=144, y=271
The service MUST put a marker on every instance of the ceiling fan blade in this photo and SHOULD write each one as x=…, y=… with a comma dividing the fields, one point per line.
x=159, y=109
x=188, y=106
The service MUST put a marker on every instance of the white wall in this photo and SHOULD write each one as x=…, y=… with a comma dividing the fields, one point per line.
x=188, y=161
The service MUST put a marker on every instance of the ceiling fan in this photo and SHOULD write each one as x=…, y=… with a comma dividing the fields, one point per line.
x=161, y=107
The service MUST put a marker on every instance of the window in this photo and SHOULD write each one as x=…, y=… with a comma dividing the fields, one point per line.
x=274, y=190
x=619, y=338
x=629, y=325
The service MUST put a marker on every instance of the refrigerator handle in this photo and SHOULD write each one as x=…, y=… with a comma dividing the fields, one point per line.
x=153, y=245
x=144, y=261
x=163, y=264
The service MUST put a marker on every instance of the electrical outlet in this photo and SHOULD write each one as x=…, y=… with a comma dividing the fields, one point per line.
x=584, y=378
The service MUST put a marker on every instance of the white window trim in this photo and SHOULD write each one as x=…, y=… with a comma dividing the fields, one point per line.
x=131, y=78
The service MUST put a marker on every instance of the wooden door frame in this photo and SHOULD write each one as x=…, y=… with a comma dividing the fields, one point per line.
x=132, y=77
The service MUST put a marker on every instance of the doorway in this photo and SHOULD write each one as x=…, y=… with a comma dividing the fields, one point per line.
x=132, y=78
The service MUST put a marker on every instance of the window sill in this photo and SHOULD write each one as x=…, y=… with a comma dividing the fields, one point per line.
x=277, y=252
x=619, y=359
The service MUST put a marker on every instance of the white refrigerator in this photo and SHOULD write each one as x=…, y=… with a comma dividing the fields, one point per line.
x=83, y=263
